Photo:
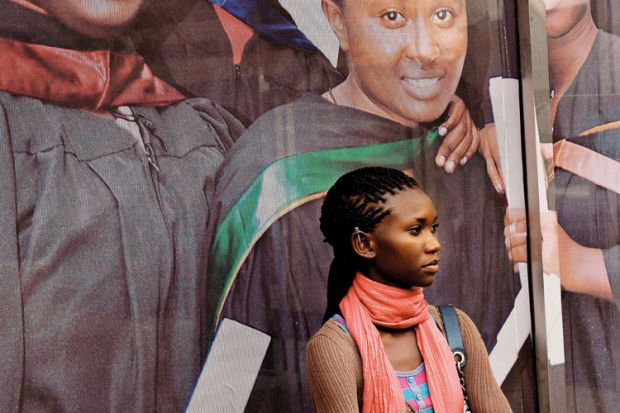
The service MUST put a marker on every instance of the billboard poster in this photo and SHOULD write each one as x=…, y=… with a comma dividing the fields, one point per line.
x=164, y=165
x=585, y=108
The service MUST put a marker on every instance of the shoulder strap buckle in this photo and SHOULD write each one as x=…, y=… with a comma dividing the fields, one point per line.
x=452, y=331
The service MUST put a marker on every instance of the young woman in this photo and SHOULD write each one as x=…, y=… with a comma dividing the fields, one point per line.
x=381, y=348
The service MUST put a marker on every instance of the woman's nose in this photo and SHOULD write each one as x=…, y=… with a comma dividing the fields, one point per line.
x=421, y=42
x=433, y=244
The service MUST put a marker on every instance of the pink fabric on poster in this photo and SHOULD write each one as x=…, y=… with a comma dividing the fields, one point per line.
x=239, y=34
x=588, y=164
x=29, y=5
x=369, y=302
x=95, y=80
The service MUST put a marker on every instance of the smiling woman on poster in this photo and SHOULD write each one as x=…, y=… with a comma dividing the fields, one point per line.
x=268, y=267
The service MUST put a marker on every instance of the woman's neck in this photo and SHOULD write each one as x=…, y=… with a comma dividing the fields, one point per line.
x=373, y=274
x=401, y=348
x=567, y=54
x=349, y=93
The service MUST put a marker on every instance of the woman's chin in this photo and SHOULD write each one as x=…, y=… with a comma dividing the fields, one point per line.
x=427, y=111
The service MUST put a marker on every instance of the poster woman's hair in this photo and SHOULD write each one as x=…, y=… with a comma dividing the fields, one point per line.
x=356, y=200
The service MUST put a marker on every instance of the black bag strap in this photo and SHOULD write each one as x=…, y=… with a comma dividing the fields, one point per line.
x=452, y=330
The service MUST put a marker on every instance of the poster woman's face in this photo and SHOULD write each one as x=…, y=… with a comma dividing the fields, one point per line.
x=563, y=15
x=406, y=55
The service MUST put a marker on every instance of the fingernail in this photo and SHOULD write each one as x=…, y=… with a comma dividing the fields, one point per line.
x=464, y=160
x=450, y=166
x=440, y=161
x=442, y=130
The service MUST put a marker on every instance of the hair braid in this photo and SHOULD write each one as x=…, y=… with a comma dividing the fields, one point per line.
x=357, y=199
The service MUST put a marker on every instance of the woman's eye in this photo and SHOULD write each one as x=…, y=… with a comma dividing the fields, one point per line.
x=415, y=230
x=443, y=16
x=393, y=18
x=434, y=228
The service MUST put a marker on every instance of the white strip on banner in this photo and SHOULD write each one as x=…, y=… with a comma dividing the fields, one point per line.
x=506, y=109
x=309, y=17
x=228, y=376
x=553, y=289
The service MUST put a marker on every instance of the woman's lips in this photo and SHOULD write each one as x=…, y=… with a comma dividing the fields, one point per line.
x=422, y=87
x=432, y=266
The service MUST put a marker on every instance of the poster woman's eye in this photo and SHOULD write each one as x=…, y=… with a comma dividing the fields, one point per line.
x=393, y=19
x=443, y=16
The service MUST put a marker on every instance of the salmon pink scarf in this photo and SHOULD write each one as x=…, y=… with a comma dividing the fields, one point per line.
x=368, y=303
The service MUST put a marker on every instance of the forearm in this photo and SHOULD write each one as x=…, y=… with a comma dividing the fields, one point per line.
x=612, y=264
x=583, y=269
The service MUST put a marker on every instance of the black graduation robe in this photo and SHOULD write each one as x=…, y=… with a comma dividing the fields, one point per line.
x=590, y=214
x=103, y=254
x=268, y=265
x=185, y=44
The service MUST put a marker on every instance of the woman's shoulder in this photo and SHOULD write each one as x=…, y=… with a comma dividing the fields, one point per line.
x=334, y=338
x=332, y=351
x=333, y=331
x=334, y=369
x=312, y=123
x=294, y=115
x=467, y=326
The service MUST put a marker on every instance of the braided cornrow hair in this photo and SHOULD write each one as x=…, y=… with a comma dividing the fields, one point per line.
x=357, y=199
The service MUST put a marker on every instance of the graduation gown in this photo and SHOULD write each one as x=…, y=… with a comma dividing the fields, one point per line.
x=103, y=254
x=184, y=42
x=268, y=263
x=590, y=214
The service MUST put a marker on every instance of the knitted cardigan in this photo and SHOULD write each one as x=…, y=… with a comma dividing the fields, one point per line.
x=336, y=380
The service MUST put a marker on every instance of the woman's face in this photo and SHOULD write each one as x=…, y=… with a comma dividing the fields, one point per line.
x=563, y=15
x=405, y=243
x=406, y=55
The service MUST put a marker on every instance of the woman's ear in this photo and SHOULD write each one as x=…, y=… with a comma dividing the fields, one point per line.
x=334, y=15
x=362, y=244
